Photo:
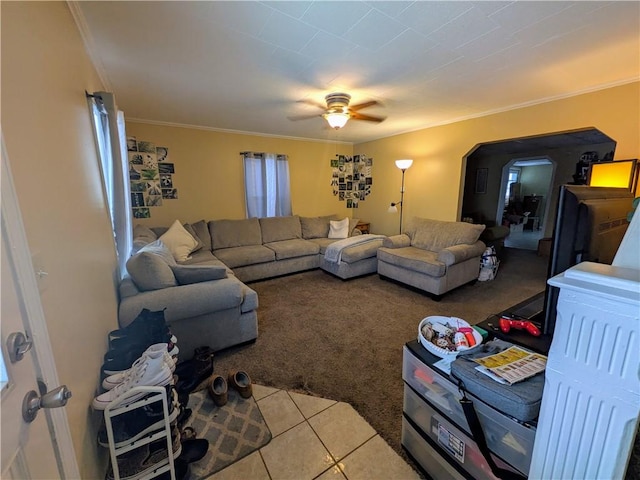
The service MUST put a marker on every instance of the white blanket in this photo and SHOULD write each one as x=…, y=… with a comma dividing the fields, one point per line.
x=333, y=253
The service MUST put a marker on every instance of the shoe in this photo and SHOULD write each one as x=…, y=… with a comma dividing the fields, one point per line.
x=241, y=381
x=218, y=390
x=202, y=357
x=153, y=351
x=146, y=321
x=140, y=422
x=181, y=468
x=193, y=374
x=194, y=449
x=142, y=461
x=118, y=361
x=149, y=372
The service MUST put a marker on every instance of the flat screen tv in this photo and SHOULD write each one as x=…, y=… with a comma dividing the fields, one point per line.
x=590, y=223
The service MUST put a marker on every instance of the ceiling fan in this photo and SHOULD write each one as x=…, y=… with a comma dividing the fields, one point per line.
x=337, y=111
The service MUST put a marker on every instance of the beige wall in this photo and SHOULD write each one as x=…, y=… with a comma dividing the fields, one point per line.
x=433, y=183
x=49, y=140
x=209, y=172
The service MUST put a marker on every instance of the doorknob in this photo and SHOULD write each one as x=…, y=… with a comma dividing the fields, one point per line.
x=17, y=346
x=53, y=399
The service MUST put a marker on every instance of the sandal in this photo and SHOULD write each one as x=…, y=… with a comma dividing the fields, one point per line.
x=187, y=433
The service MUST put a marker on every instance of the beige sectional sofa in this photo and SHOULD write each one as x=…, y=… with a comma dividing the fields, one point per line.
x=204, y=292
x=432, y=255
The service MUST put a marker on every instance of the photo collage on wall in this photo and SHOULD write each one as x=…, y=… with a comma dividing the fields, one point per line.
x=151, y=176
x=351, y=178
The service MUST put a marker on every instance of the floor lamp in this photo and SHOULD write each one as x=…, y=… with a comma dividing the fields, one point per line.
x=402, y=165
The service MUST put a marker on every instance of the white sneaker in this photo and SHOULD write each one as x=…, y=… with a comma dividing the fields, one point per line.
x=153, y=351
x=149, y=372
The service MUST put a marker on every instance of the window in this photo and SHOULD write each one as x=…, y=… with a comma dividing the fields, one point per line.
x=111, y=143
x=266, y=184
x=514, y=176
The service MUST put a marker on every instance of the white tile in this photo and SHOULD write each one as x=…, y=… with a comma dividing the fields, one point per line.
x=310, y=405
x=260, y=391
x=334, y=473
x=250, y=466
x=297, y=454
x=280, y=412
x=376, y=460
x=341, y=429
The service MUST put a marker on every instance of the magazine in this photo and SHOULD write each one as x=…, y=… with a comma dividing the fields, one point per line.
x=512, y=365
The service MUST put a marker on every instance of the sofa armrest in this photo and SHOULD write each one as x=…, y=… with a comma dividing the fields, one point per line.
x=397, y=241
x=184, y=301
x=459, y=253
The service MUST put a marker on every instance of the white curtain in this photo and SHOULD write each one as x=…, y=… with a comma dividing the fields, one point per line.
x=266, y=184
x=109, y=130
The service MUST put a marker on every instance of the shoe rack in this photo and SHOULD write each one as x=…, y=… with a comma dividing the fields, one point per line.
x=120, y=406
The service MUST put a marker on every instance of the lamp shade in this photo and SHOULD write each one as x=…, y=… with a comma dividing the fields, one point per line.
x=337, y=119
x=404, y=164
x=392, y=208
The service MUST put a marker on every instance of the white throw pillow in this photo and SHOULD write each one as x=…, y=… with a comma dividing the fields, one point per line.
x=179, y=242
x=339, y=229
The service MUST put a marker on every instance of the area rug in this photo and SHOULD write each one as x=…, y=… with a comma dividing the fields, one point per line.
x=233, y=430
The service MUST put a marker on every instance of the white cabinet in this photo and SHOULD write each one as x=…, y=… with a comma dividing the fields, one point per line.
x=591, y=401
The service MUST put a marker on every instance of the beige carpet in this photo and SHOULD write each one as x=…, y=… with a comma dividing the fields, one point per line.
x=343, y=339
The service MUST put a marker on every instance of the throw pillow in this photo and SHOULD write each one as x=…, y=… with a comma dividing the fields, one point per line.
x=187, y=274
x=193, y=233
x=339, y=229
x=314, y=227
x=352, y=225
x=150, y=268
x=179, y=242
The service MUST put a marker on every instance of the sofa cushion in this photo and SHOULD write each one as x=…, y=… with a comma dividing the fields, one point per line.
x=323, y=243
x=179, y=241
x=412, y=258
x=339, y=228
x=150, y=268
x=193, y=233
x=314, y=227
x=235, y=233
x=276, y=229
x=202, y=230
x=143, y=232
x=247, y=255
x=188, y=274
x=435, y=235
x=293, y=248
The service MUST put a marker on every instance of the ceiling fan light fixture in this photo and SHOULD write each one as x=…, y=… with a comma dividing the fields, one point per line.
x=336, y=120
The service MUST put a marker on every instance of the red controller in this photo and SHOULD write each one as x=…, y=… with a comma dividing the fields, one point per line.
x=506, y=323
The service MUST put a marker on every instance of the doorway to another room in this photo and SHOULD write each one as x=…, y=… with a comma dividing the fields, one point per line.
x=524, y=200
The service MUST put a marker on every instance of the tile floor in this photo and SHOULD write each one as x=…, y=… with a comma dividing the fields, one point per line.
x=316, y=438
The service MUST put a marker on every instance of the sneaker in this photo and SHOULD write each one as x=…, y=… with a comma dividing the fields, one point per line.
x=144, y=460
x=159, y=349
x=133, y=425
x=150, y=372
x=121, y=360
x=146, y=321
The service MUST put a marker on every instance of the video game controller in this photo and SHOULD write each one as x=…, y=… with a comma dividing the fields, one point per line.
x=507, y=322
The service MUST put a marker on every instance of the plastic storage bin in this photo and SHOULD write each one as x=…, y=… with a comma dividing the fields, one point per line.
x=506, y=437
x=457, y=444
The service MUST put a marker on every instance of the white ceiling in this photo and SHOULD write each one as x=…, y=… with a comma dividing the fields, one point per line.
x=245, y=65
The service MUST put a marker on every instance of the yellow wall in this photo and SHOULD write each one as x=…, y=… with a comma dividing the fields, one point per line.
x=209, y=172
x=433, y=183
x=51, y=150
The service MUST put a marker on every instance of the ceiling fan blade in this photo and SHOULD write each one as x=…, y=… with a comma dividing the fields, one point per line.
x=312, y=102
x=368, y=118
x=304, y=117
x=360, y=106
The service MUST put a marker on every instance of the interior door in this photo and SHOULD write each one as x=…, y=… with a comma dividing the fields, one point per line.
x=27, y=449
x=42, y=446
